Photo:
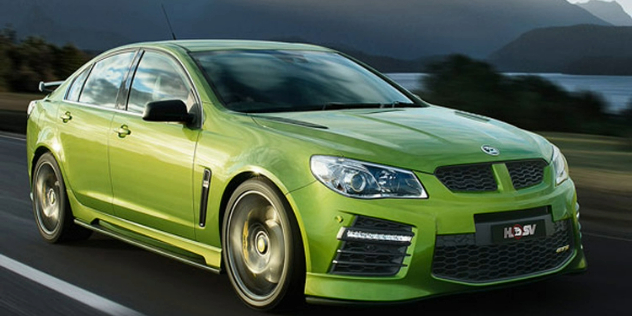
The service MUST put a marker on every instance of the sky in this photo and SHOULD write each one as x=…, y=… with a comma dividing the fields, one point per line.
x=406, y=29
x=626, y=4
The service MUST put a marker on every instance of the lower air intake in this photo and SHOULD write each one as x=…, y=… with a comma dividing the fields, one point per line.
x=374, y=248
x=457, y=257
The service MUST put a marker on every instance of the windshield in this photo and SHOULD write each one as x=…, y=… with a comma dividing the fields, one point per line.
x=256, y=81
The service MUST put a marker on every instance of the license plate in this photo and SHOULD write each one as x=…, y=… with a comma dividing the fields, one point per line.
x=518, y=231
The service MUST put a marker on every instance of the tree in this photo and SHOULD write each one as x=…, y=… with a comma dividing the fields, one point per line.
x=466, y=84
x=626, y=116
x=7, y=39
x=67, y=60
x=24, y=64
x=530, y=102
x=32, y=62
x=9, y=34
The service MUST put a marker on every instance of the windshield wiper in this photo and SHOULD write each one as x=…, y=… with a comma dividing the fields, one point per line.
x=342, y=106
x=397, y=104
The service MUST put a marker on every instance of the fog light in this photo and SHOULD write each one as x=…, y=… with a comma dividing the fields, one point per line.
x=352, y=234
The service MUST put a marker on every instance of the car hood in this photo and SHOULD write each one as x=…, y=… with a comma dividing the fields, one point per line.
x=420, y=139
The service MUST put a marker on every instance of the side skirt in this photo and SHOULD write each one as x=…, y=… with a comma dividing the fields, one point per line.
x=135, y=239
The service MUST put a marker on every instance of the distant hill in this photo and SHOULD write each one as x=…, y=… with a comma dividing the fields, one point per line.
x=389, y=64
x=401, y=29
x=580, y=49
x=609, y=11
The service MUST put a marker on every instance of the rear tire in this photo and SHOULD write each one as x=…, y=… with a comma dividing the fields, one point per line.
x=262, y=248
x=51, y=208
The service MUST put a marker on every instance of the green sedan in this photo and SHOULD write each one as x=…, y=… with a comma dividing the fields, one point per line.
x=301, y=173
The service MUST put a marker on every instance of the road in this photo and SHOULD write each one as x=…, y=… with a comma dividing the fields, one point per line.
x=103, y=276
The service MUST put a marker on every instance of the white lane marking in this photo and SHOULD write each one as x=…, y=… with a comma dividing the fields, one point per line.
x=607, y=236
x=12, y=137
x=76, y=293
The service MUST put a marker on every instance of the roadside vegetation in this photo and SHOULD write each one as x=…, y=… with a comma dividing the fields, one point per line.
x=529, y=102
x=24, y=63
x=597, y=162
x=601, y=167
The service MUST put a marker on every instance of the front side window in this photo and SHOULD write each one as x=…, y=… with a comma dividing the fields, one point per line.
x=158, y=78
x=286, y=80
x=103, y=84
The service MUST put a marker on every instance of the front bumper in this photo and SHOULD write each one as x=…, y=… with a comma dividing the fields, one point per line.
x=322, y=213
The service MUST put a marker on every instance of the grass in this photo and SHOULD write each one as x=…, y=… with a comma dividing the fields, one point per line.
x=13, y=110
x=601, y=168
x=597, y=162
x=17, y=101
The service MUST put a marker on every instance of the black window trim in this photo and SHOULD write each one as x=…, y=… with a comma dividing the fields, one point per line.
x=123, y=96
x=132, y=74
x=91, y=66
x=129, y=76
x=413, y=97
x=79, y=73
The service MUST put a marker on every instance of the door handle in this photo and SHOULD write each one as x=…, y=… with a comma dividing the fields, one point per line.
x=123, y=131
x=66, y=117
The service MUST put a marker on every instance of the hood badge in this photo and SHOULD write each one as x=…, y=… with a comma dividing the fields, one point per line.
x=490, y=150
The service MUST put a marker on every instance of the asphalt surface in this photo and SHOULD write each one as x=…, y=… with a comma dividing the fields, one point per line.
x=103, y=276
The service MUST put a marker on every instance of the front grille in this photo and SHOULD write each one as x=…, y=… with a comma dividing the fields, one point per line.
x=371, y=258
x=467, y=178
x=526, y=173
x=457, y=257
x=480, y=177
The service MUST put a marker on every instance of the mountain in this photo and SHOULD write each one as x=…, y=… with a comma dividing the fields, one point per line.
x=402, y=29
x=580, y=49
x=611, y=12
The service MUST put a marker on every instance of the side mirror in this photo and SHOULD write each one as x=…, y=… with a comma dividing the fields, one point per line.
x=167, y=111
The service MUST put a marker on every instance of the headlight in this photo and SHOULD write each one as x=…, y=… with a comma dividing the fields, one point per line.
x=560, y=166
x=365, y=180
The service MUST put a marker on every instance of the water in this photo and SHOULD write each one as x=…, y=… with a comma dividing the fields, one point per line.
x=616, y=90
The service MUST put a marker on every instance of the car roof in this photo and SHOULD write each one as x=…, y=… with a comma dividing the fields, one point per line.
x=208, y=45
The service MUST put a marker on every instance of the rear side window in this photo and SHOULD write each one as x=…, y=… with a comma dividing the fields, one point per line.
x=77, y=84
x=104, y=81
x=158, y=77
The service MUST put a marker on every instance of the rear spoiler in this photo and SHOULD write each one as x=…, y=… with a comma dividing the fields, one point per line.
x=49, y=86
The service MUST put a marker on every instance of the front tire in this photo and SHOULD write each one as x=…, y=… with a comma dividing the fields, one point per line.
x=262, y=247
x=51, y=208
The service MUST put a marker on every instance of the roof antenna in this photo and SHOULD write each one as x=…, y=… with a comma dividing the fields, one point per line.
x=173, y=35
